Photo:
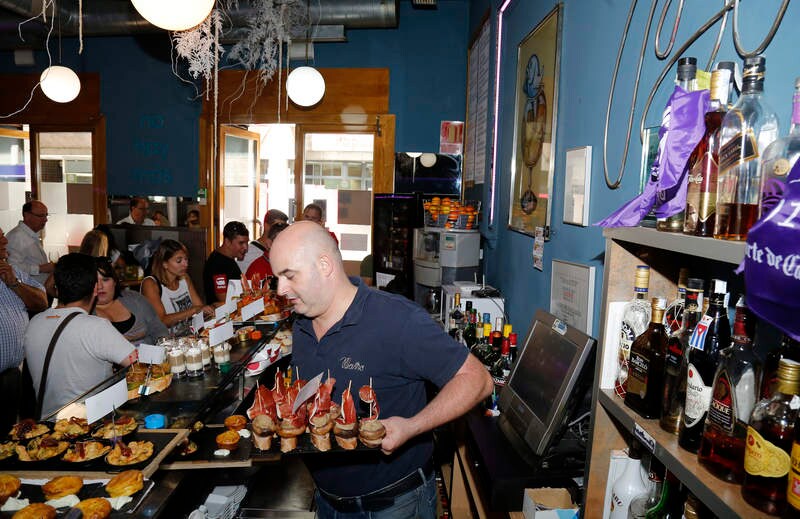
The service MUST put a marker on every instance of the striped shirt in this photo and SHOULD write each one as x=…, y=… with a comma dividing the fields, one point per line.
x=13, y=321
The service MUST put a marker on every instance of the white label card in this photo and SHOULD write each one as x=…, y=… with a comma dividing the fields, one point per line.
x=226, y=309
x=307, y=392
x=149, y=354
x=220, y=334
x=197, y=321
x=104, y=402
x=253, y=309
x=644, y=437
x=234, y=289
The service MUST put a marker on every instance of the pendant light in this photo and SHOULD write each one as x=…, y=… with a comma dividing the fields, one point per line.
x=305, y=86
x=60, y=83
x=174, y=15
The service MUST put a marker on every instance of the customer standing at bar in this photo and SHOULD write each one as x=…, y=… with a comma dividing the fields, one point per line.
x=260, y=246
x=19, y=294
x=364, y=335
x=25, y=249
x=313, y=213
x=138, y=212
x=221, y=264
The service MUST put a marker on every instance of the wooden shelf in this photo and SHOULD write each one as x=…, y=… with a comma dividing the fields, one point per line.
x=724, y=499
x=708, y=248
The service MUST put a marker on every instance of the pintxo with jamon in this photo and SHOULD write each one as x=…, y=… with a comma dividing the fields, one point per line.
x=370, y=430
x=319, y=420
x=264, y=417
x=292, y=424
x=345, y=426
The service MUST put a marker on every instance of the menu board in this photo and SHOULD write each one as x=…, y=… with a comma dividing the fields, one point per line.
x=478, y=80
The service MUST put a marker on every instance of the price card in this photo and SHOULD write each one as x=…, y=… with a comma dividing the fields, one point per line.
x=197, y=321
x=149, y=354
x=253, y=309
x=234, y=289
x=104, y=402
x=644, y=437
x=220, y=333
x=307, y=392
x=226, y=309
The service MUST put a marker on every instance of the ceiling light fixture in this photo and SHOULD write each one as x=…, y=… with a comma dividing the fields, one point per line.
x=60, y=84
x=174, y=15
x=305, y=86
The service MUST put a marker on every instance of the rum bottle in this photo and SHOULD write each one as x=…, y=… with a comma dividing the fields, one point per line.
x=789, y=349
x=779, y=157
x=676, y=360
x=646, y=366
x=736, y=388
x=635, y=319
x=711, y=334
x=687, y=71
x=747, y=129
x=674, y=311
x=767, y=459
x=793, y=486
x=701, y=193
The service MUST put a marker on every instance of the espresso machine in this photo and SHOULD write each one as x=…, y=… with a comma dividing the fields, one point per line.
x=441, y=257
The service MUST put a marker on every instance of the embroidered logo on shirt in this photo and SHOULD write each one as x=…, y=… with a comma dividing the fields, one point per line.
x=348, y=363
x=220, y=282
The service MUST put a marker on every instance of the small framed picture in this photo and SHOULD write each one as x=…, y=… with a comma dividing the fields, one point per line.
x=577, y=183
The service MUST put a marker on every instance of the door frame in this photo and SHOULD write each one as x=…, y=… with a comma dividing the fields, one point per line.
x=219, y=200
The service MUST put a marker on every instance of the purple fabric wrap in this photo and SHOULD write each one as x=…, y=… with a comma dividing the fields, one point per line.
x=772, y=261
x=682, y=127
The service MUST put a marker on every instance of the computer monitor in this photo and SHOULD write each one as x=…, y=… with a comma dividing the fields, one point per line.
x=549, y=378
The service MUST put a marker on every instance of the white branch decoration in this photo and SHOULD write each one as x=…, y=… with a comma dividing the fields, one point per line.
x=199, y=45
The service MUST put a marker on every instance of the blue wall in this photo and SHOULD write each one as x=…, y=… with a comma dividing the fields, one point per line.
x=590, y=40
x=152, y=116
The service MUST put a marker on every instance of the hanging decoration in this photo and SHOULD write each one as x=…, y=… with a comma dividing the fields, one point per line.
x=60, y=84
x=199, y=46
x=174, y=15
x=305, y=86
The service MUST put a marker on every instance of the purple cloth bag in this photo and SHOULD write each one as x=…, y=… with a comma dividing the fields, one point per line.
x=772, y=261
x=682, y=128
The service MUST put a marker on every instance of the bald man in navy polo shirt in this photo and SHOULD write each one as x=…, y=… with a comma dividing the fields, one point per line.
x=361, y=334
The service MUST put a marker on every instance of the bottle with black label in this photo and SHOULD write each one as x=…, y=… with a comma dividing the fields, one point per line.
x=646, y=366
x=736, y=387
x=711, y=334
x=676, y=360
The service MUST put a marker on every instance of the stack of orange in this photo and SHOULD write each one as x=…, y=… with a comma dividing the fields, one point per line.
x=453, y=209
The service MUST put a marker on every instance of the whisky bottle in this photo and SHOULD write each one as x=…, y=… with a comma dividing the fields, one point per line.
x=711, y=334
x=676, y=360
x=635, y=319
x=778, y=159
x=646, y=366
x=456, y=322
x=767, y=459
x=687, y=71
x=674, y=311
x=747, y=129
x=469, y=329
x=736, y=388
x=701, y=192
x=789, y=349
x=793, y=486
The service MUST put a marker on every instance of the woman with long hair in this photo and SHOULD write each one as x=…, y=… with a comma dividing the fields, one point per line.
x=170, y=291
x=129, y=312
x=95, y=244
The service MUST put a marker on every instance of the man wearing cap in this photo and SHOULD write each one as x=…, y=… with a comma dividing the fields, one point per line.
x=221, y=264
x=260, y=246
x=25, y=249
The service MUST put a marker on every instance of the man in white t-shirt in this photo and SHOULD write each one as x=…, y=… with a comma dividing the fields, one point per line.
x=88, y=346
x=260, y=246
x=138, y=213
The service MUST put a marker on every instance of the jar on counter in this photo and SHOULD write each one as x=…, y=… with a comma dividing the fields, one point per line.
x=177, y=362
x=194, y=362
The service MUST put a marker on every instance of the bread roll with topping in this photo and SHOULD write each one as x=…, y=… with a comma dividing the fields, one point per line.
x=125, y=483
x=62, y=486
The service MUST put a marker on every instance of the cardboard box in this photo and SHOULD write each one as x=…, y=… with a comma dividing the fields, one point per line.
x=548, y=503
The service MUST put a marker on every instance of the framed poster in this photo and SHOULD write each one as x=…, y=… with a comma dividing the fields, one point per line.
x=572, y=294
x=538, y=63
x=577, y=184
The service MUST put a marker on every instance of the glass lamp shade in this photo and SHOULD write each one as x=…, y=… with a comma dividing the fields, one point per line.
x=305, y=86
x=174, y=15
x=60, y=84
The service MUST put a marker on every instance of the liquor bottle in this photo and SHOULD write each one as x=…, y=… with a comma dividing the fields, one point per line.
x=712, y=333
x=641, y=506
x=747, y=129
x=456, y=318
x=646, y=366
x=469, y=329
x=736, y=388
x=767, y=459
x=632, y=483
x=779, y=157
x=701, y=193
x=793, y=486
x=733, y=89
x=674, y=311
x=475, y=349
x=789, y=349
x=687, y=71
x=512, y=339
x=502, y=366
x=635, y=319
x=676, y=361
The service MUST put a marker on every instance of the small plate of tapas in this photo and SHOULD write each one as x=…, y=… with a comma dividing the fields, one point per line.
x=69, y=429
x=28, y=429
x=121, y=427
x=41, y=448
x=132, y=453
x=86, y=451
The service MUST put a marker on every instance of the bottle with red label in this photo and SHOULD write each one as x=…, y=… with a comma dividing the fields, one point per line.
x=767, y=459
x=736, y=389
x=711, y=334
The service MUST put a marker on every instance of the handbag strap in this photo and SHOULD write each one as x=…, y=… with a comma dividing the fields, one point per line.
x=48, y=355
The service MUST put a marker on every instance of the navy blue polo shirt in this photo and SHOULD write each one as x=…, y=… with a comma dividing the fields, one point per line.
x=395, y=342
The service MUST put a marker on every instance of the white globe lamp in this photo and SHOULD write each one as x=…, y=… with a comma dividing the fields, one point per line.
x=60, y=84
x=174, y=15
x=305, y=86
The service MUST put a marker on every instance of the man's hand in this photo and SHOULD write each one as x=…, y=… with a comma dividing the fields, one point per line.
x=47, y=268
x=398, y=431
x=7, y=273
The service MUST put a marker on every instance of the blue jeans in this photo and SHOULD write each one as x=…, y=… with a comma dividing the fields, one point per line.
x=419, y=503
